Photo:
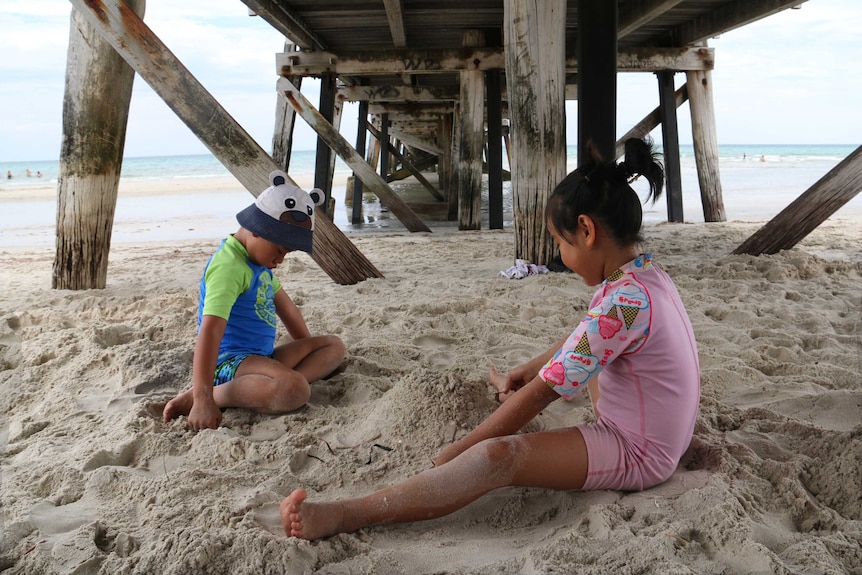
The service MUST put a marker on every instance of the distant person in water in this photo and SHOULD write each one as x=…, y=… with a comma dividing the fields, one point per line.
x=38, y=174
x=236, y=362
x=29, y=173
x=9, y=174
x=634, y=350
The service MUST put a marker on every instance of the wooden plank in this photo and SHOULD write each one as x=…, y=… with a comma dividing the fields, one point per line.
x=649, y=122
x=429, y=111
x=95, y=113
x=705, y=143
x=408, y=165
x=729, y=16
x=394, y=62
x=346, y=152
x=634, y=15
x=420, y=143
x=840, y=185
x=283, y=20
x=395, y=16
x=392, y=93
x=421, y=164
x=215, y=128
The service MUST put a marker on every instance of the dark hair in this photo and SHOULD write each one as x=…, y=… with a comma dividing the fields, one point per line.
x=601, y=190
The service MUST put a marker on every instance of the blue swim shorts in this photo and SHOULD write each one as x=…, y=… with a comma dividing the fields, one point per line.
x=226, y=370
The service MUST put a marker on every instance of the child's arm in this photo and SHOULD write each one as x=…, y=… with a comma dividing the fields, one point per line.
x=521, y=375
x=290, y=315
x=205, y=414
x=511, y=416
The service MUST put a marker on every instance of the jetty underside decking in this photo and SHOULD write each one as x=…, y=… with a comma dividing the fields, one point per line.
x=447, y=84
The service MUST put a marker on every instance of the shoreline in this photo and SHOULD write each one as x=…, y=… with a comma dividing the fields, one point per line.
x=131, y=188
x=204, y=208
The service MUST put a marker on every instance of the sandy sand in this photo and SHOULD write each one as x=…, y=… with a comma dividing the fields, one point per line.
x=92, y=482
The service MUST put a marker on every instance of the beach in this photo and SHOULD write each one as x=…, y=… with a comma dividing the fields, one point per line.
x=92, y=481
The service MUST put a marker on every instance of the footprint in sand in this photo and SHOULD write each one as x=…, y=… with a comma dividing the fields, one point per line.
x=440, y=348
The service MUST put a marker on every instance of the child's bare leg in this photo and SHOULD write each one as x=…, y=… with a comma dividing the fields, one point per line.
x=512, y=460
x=264, y=385
x=313, y=357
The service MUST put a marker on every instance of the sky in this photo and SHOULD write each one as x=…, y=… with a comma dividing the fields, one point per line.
x=791, y=78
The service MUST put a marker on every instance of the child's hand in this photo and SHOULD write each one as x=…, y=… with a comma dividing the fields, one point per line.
x=510, y=383
x=204, y=414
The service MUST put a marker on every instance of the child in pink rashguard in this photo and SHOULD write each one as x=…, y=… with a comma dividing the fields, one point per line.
x=634, y=350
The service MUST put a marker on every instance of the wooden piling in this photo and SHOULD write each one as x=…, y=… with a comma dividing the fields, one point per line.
x=472, y=140
x=705, y=143
x=670, y=144
x=536, y=81
x=285, y=120
x=215, y=128
x=95, y=113
x=345, y=151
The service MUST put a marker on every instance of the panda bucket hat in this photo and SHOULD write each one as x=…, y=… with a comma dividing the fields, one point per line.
x=283, y=214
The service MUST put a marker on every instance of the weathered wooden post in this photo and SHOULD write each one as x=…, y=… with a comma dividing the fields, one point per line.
x=495, y=150
x=472, y=135
x=285, y=120
x=670, y=144
x=324, y=156
x=535, y=43
x=215, y=128
x=361, y=139
x=705, y=143
x=454, y=154
x=597, y=78
x=444, y=160
x=95, y=113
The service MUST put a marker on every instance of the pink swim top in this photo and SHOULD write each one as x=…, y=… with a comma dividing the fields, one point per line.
x=638, y=335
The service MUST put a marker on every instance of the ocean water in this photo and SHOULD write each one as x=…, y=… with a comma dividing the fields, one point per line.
x=758, y=181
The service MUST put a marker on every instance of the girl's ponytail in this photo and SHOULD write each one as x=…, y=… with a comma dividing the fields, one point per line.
x=642, y=160
x=602, y=191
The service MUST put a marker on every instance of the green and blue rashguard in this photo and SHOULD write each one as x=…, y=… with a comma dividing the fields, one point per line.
x=242, y=293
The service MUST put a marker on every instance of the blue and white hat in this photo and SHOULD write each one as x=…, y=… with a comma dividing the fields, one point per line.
x=283, y=214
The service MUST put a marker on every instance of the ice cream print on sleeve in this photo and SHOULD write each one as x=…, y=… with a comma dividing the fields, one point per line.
x=618, y=324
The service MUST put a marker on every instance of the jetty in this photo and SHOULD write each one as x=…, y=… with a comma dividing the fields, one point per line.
x=442, y=85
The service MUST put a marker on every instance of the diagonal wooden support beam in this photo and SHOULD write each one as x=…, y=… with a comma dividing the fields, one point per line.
x=406, y=163
x=212, y=124
x=649, y=122
x=812, y=208
x=351, y=157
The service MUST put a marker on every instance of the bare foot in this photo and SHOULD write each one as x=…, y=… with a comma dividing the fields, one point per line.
x=501, y=383
x=180, y=405
x=309, y=520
